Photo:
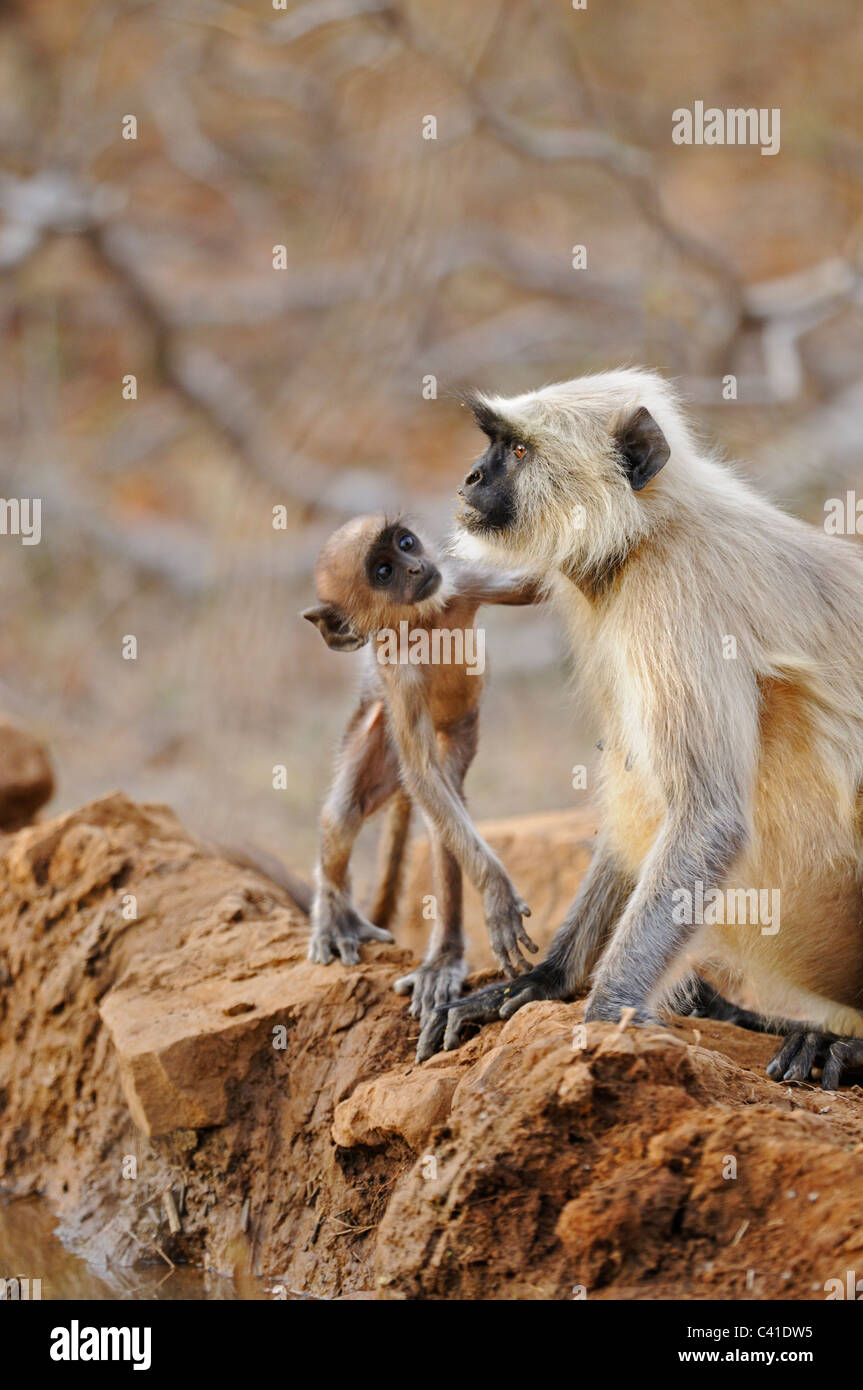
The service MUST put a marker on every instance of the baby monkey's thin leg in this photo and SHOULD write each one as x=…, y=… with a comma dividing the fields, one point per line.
x=438, y=981
x=447, y=934
x=367, y=774
x=392, y=859
x=425, y=776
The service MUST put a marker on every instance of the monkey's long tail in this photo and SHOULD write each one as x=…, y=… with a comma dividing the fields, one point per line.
x=268, y=866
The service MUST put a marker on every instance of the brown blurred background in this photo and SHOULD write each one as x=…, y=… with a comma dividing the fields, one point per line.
x=406, y=258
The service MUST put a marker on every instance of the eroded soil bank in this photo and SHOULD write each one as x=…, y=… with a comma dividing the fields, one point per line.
x=175, y=1077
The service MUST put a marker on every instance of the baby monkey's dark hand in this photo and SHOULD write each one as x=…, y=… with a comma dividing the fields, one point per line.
x=434, y=984
x=504, y=909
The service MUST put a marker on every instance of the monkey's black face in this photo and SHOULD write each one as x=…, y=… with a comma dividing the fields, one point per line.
x=488, y=491
x=398, y=567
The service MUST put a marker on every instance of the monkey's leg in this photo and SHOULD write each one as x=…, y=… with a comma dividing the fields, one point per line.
x=600, y=900
x=438, y=981
x=366, y=776
x=699, y=848
x=695, y=998
x=392, y=859
x=432, y=787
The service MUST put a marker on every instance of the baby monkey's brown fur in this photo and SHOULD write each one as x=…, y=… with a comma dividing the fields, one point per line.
x=411, y=739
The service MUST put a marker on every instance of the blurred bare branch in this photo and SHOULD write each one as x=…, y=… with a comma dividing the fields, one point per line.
x=53, y=204
x=305, y=19
x=634, y=167
x=181, y=555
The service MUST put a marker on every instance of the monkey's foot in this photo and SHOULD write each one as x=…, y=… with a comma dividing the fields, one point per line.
x=434, y=984
x=807, y=1049
x=340, y=933
x=698, y=999
x=445, y=1026
x=504, y=909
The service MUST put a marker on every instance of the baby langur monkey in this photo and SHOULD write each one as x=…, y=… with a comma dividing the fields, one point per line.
x=411, y=739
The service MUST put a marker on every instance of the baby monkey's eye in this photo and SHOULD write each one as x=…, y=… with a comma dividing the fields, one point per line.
x=383, y=572
x=407, y=542
x=519, y=450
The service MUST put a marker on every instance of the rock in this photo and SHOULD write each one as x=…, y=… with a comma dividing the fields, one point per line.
x=161, y=1029
x=26, y=779
x=546, y=856
x=407, y=1107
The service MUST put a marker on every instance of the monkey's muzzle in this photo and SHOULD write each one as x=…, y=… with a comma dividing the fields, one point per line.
x=428, y=585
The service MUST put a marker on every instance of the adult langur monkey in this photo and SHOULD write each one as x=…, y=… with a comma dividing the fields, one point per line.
x=722, y=643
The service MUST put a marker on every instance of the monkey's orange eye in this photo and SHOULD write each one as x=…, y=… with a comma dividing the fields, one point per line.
x=519, y=450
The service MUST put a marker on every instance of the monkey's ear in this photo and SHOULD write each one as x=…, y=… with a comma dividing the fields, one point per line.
x=643, y=448
x=483, y=415
x=335, y=630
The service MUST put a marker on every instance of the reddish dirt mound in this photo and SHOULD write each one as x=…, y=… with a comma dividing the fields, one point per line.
x=177, y=1078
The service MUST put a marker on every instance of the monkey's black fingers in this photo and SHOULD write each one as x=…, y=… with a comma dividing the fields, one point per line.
x=845, y=1054
x=806, y=1049
x=498, y=1001
x=495, y=1001
x=799, y=1053
x=482, y=1007
x=524, y=996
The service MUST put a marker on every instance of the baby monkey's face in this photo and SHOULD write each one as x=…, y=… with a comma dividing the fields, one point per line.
x=399, y=569
x=372, y=574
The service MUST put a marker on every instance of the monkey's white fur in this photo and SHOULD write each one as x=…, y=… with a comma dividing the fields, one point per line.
x=651, y=583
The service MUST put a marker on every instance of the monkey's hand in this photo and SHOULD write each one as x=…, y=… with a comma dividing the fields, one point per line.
x=804, y=1050
x=434, y=984
x=338, y=930
x=504, y=910
x=445, y=1026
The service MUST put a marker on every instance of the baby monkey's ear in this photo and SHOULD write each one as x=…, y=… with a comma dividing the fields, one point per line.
x=334, y=628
